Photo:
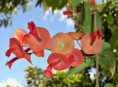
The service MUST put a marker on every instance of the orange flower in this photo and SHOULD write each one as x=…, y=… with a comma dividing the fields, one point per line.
x=75, y=57
x=21, y=36
x=92, y=42
x=62, y=43
x=17, y=49
x=76, y=35
x=44, y=42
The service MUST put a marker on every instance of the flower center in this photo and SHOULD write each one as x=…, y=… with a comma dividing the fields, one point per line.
x=72, y=58
x=62, y=45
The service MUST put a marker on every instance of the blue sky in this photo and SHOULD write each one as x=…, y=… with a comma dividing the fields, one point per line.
x=54, y=23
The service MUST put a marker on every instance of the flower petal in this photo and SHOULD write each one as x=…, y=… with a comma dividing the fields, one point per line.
x=9, y=51
x=48, y=71
x=40, y=53
x=9, y=63
x=27, y=57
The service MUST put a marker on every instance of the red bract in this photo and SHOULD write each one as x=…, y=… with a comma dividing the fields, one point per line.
x=45, y=40
x=68, y=13
x=32, y=28
x=58, y=61
x=75, y=57
x=48, y=72
x=21, y=36
x=92, y=42
x=92, y=2
x=62, y=43
x=16, y=48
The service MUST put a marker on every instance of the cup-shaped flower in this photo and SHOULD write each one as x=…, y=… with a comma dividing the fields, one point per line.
x=44, y=42
x=75, y=57
x=62, y=43
x=58, y=61
x=92, y=42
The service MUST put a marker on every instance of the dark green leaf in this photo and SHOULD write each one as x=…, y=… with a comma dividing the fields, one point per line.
x=88, y=18
x=113, y=40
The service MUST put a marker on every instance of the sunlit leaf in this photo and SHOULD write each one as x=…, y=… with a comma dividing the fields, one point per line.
x=82, y=66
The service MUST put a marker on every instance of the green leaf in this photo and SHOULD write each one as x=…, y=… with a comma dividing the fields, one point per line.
x=88, y=18
x=110, y=19
x=113, y=40
x=109, y=85
x=82, y=66
x=107, y=59
x=62, y=3
x=76, y=2
x=113, y=28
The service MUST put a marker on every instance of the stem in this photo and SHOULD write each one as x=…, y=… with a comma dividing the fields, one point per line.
x=97, y=56
x=79, y=44
x=97, y=71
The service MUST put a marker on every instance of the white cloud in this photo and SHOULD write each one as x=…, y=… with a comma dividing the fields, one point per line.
x=52, y=18
x=46, y=14
x=70, y=22
x=61, y=18
x=11, y=82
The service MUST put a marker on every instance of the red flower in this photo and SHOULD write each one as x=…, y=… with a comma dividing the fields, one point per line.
x=75, y=57
x=56, y=61
x=48, y=71
x=68, y=13
x=92, y=2
x=17, y=49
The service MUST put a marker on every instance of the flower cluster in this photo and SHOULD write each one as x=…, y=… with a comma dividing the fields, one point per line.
x=61, y=45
